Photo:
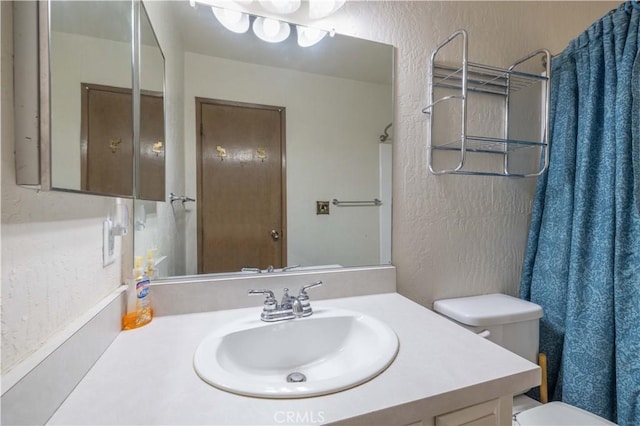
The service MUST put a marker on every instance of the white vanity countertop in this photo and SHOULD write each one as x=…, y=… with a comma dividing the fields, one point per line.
x=147, y=377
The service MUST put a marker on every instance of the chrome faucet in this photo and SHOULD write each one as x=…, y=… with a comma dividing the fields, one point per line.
x=290, y=307
x=291, y=303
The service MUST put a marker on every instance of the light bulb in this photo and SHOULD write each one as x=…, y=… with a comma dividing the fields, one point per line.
x=283, y=7
x=311, y=32
x=271, y=27
x=309, y=36
x=232, y=20
x=321, y=8
x=271, y=30
x=233, y=16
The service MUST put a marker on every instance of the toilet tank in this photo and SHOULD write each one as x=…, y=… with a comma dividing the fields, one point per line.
x=507, y=321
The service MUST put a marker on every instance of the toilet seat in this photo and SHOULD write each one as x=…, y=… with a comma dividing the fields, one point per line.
x=558, y=414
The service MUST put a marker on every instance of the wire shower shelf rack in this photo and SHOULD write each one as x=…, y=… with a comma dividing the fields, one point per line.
x=461, y=80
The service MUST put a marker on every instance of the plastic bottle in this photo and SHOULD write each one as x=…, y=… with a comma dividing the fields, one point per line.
x=151, y=271
x=139, y=310
x=131, y=287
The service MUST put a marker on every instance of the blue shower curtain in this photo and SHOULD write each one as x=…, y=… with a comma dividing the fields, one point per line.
x=582, y=263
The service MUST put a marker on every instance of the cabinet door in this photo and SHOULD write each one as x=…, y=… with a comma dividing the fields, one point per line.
x=494, y=412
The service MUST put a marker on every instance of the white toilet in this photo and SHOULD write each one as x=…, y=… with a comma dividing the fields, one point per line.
x=514, y=324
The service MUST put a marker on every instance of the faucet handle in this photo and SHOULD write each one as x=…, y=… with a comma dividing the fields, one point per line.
x=267, y=293
x=303, y=297
x=304, y=288
x=270, y=301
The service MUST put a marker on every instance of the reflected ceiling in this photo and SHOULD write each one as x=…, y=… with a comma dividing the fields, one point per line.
x=202, y=33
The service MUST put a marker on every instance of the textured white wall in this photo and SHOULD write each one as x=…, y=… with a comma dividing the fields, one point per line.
x=51, y=244
x=452, y=235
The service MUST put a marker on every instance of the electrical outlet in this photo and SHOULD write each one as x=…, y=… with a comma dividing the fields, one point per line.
x=322, y=207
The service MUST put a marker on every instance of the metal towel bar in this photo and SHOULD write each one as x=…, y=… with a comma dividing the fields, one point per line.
x=374, y=202
x=173, y=198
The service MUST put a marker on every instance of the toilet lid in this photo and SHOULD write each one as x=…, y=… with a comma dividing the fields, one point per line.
x=488, y=309
x=558, y=414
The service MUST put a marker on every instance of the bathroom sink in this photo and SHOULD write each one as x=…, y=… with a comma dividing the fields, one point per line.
x=332, y=350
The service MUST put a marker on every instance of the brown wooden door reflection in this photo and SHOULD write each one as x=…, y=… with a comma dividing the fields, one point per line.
x=151, y=174
x=106, y=140
x=241, y=186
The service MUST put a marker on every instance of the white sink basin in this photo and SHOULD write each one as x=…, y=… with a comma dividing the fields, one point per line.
x=334, y=349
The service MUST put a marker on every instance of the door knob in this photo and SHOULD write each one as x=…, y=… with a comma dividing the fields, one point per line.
x=275, y=235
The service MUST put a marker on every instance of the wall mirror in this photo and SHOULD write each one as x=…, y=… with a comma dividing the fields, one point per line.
x=273, y=134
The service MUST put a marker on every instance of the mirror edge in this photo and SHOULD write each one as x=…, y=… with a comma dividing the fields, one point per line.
x=136, y=111
x=225, y=276
x=31, y=94
x=135, y=90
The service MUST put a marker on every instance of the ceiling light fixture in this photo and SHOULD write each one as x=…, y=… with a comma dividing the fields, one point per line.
x=283, y=7
x=309, y=36
x=271, y=30
x=322, y=8
x=232, y=20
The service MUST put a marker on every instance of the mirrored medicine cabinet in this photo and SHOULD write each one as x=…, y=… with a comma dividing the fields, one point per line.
x=89, y=98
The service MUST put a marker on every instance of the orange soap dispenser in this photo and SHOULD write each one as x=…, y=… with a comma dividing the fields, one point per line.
x=139, y=310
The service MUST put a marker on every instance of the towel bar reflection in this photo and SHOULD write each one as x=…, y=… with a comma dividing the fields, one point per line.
x=173, y=198
x=375, y=202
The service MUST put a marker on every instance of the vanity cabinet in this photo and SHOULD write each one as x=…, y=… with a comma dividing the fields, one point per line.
x=493, y=412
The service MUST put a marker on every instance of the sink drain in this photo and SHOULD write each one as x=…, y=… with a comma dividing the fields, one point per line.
x=296, y=377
